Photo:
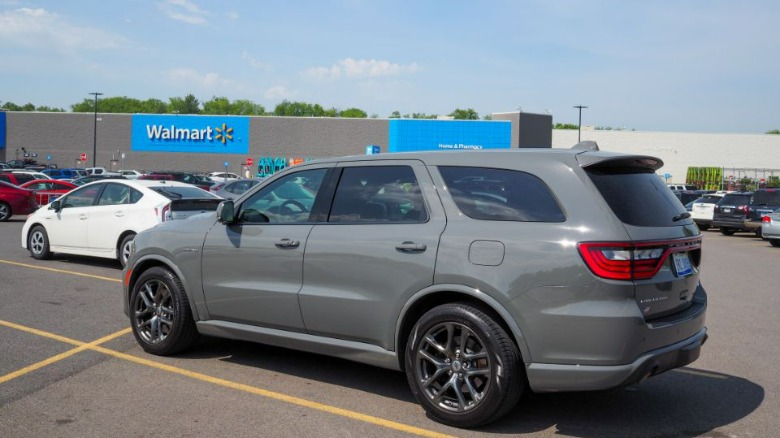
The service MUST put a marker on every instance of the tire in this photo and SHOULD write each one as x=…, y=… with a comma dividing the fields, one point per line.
x=759, y=233
x=774, y=242
x=38, y=243
x=123, y=252
x=704, y=227
x=5, y=212
x=727, y=231
x=463, y=388
x=160, y=313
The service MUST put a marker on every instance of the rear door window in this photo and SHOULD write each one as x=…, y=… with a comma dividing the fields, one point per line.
x=501, y=194
x=638, y=197
x=766, y=197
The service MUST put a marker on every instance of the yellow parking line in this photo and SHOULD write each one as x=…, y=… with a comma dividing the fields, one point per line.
x=44, y=268
x=95, y=346
x=81, y=347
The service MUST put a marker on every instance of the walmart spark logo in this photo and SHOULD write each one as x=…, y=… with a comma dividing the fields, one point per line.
x=224, y=134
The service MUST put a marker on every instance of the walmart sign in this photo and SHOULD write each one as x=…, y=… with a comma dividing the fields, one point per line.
x=440, y=135
x=196, y=134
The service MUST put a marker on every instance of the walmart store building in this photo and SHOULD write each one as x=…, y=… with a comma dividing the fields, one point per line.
x=207, y=143
x=212, y=143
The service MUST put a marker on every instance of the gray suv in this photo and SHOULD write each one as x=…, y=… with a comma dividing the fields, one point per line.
x=480, y=274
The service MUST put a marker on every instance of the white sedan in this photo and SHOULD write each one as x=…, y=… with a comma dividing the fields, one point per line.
x=100, y=219
x=223, y=176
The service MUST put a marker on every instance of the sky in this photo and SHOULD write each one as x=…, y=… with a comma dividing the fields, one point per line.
x=679, y=66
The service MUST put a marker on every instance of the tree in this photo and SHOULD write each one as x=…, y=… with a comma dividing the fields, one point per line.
x=774, y=131
x=353, y=113
x=153, y=106
x=565, y=126
x=395, y=115
x=217, y=106
x=243, y=107
x=188, y=105
x=467, y=114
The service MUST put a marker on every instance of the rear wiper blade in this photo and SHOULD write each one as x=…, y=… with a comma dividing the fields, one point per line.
x=681, y=216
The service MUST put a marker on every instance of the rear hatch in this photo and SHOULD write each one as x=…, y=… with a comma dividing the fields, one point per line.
x=186, y=200
x=662, y=256
x=762, y=203
x=733, y=207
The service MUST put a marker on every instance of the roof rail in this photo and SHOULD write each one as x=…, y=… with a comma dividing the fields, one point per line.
x=586, y=146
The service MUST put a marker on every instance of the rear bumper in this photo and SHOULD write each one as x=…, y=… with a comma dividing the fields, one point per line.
x=554, y=377
x=739, y=224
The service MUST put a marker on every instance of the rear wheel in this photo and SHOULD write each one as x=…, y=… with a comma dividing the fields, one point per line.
x=774, y=242
x=38, y=243
x=462, y=366
x=123, y=252
x=160, y=313
x=727, y=231
x=5, y=212
x=759, y=233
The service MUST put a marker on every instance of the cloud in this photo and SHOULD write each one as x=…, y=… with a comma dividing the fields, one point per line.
x=193, y=77
x=252, y=61
x=278, y=92
x=38, y=28
x=360, y=68
x=185, y=11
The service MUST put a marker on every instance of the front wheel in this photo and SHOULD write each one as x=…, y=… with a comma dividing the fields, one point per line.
x=160, y=316
x=38, y=243
x=462, y=366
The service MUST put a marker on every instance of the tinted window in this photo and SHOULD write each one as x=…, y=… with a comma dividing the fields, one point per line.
x=735, y=199
x=766, y=197
x=378, y=194
x=708, y=200
x=502, y=195
x=639, y=199
x=289, y=199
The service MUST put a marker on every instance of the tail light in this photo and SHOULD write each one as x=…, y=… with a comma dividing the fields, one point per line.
x=766, y=219
x=634, y=261
x=163, y=213
x=743, y=209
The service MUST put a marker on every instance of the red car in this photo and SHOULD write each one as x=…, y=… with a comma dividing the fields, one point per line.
x=15, y=200
x=47, y=190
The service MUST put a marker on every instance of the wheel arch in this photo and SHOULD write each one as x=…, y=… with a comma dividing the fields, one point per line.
x=146, y=263
x=122, y=236
x=30, y=230
x=444, y=294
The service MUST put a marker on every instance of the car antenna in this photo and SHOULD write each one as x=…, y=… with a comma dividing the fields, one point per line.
x=587, y=145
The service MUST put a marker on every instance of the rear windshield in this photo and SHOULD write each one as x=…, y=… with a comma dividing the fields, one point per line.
x=638, y=197
x=182, y=192
x=735, y=199
x=708, y=200
x=766, y=197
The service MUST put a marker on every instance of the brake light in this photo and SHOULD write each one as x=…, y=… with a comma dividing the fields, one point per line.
x=766, y=219
x=164, y=213
x=634, y=261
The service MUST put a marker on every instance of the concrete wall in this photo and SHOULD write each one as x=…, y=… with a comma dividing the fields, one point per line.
x=679, y=150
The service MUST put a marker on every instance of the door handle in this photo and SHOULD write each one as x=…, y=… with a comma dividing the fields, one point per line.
x=119, y=213
x=83, y=216
x=287, y=243
x=411, y=247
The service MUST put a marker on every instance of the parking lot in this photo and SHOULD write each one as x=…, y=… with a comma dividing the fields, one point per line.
x=69, y=366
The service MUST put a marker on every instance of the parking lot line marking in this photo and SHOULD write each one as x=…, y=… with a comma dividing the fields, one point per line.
x=62, y=271
x=95, y=346
x=81, y=346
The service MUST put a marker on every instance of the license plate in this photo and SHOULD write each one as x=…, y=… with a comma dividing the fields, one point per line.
x=682, y=264
x=727, y=210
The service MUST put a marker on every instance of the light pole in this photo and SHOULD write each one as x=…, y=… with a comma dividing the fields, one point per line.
x=94, y=131
x=579, y=124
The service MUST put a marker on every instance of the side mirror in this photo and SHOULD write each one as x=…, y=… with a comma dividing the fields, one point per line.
x=226, y=212
x=56, y=206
